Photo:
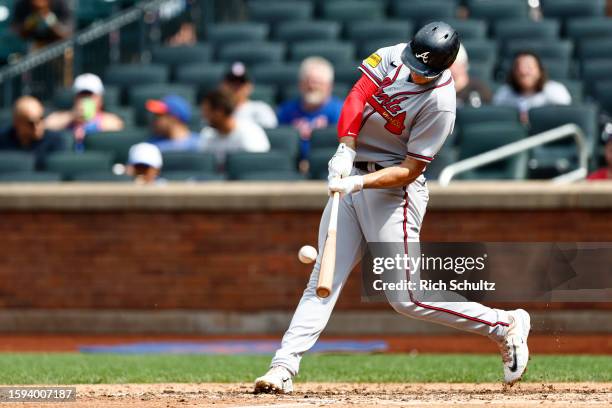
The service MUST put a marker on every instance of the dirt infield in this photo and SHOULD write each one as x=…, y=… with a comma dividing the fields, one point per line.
x=342, y=394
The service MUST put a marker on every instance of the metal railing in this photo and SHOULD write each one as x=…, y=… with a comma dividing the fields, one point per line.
x=511, y=149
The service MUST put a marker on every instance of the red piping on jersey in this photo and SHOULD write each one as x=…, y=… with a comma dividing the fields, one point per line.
x=351, y=117
x=420, y=156
x=372, y=76
x=430, y=307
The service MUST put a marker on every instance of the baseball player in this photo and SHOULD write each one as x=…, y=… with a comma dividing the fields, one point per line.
x=393, y=122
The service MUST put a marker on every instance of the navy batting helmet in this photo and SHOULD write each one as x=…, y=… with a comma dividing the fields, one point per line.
x=432, y=49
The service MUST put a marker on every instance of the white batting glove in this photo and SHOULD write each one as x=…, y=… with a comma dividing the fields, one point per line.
x=341, y=163
x=346, y=185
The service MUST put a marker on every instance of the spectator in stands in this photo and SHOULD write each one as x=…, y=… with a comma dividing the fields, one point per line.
x=42, y=21
x=28, y=132
x=470, y=91
x=529, y=87
x=604, y=173
x=144, y=163
x=316, y=107
x=171, y=124
x=225, y=133
x=87, y=115
x=238, y=83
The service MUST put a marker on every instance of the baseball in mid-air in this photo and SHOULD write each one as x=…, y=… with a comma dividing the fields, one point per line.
x=307, y=254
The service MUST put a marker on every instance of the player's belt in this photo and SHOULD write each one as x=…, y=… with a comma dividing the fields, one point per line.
x=368, y=166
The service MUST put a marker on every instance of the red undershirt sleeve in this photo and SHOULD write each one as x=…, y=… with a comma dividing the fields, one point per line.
x=351, y=115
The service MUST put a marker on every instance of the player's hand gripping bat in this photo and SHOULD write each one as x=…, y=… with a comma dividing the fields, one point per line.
x=328, y=259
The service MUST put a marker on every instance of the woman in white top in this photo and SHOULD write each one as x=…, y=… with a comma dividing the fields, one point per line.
x=529, y=87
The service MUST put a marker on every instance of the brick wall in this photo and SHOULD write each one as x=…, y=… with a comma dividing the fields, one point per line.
x=216, y=261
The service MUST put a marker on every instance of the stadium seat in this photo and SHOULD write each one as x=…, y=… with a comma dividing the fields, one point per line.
x=126, y=114
x=71, y=164
x=89, y=11
x=272, y=175
x=480, y=138
x=469, y=116
x=445, y=157
x=117, y=143
x=575, y=88
x=189, y=161
x=176, y=56
x=30, y=177
x=581, y=28
x=372, y=30
x=347, y=73
x=324, y=138
x=424, y=11
x=253, y=53
x=277, y=74
x=481, y=70
x=191, y=176
x=225, y=33
x=565, y=9
x=603, y=94
x=594, y=49
x=279, y=11
x=204, y=77
x=63, y=98
x=471, y=29
x=596, y=71
x=127, y=75
x=294, y=31
x=139, y=95
x=508, y=30
x=334, y=52
x=15, y=161
x=243, y=165
x=557, y=68
x=102, y=177
x=346, y=11
x=368, y=47
x=496, y=10
x=561, y=49
x=284, y=139
x=481, y=50
x=265, y=93
x=318, y=162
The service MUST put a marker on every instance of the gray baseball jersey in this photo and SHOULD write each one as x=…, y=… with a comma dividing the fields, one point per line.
x=402, y=118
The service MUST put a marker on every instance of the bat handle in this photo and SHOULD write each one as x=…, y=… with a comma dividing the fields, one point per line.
x=328, y=259
x=333, y=218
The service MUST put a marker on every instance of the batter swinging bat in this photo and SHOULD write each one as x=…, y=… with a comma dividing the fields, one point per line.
x=328, y=259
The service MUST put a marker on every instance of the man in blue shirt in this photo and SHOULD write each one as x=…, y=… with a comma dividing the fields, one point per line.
x=171, y=124
x=316, y=107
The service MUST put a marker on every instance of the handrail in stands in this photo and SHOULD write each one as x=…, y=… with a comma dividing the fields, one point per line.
x=552, y=135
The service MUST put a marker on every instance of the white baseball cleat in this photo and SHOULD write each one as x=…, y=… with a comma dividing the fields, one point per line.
x=276, y=381
x=514, y=350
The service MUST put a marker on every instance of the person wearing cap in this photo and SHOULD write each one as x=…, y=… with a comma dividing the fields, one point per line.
x=238, y=83
x=144, y=163
x=225, y=133
x=87, y=115
x=171, y=124
x=470, y=91
x=605, y=173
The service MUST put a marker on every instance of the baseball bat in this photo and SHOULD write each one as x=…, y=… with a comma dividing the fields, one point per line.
x=328, y=259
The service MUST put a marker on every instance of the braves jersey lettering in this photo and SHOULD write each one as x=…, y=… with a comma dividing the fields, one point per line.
x=389, y=108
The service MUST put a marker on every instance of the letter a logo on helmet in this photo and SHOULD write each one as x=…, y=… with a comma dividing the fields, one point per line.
x=432, y=49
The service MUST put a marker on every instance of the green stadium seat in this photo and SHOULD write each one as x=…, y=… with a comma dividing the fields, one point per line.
x=265, y=93
x=284, y=139
x=471, y=29
x=509, y=30
x=277, y=74
x=445, y=157
x=273, y=175
x=346, y=11
x=368, y=47
x=575, y=88
x=241, y=165
x=594, y=49
x=102, y=177
x=189, y=161
x=603, y=95
x=139, y=95
x=125, y=113
x=204, y=77
x=582, y=28
x=318, y=163
x=596, y=71
x=226, y=33
x=295, y=31
x=279, y=11
x=481, y=70
x=334, y=52
x=71, y=164
x=324, y=138
x=177, y=56
x=30, y=177
x=11, y=46
x=561, y=49
x=63, y=97
x=481, y=50
x=469, y=116
x=424, y=11
x=347, y=73
x=496, y=10
x=90, y=11
x=6, y=117
x=16, y=161
x=191, y=176
x=116, y=143
x=565, y=9
x=253, y=53
x=480, y=138
x=127, y=75
x=372, y=30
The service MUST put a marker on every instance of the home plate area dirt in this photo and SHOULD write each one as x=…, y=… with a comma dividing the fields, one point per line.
x=341, y=395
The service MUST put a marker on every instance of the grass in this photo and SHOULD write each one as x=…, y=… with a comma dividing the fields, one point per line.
x=59, y=368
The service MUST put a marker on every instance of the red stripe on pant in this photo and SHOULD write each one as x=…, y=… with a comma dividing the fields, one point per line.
x=423, y=305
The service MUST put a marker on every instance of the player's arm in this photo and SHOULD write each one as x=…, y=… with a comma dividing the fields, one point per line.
x=395, y=176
